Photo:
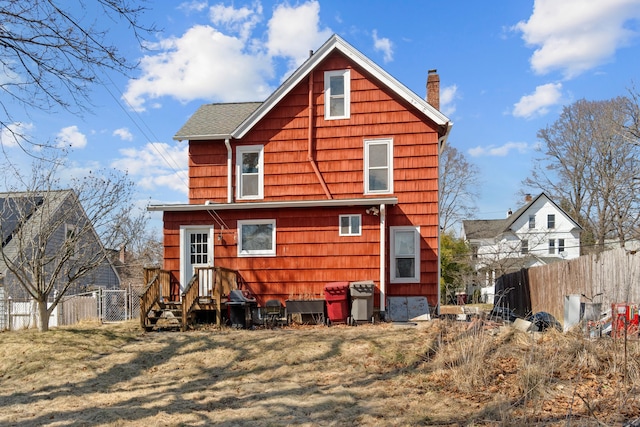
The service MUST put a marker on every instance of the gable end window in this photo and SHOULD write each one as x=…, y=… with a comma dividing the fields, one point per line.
x=71, y=242
x=250, y=171
x=350, y=225
x=378, y=166
x=532, y=222
x=337, y=94
x=257, y=237
x=551, y=221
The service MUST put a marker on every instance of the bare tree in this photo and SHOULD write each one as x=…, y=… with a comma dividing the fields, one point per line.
x=51, y=54
x=459, y=180
x=589, y=165
x=54, y=239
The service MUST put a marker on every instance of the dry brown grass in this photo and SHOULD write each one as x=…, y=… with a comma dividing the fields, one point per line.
x=441, y=373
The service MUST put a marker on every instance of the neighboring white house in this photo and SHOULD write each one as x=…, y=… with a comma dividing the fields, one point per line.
x=538, y=233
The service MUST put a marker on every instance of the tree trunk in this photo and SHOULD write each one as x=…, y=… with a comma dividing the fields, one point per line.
x=43, y=316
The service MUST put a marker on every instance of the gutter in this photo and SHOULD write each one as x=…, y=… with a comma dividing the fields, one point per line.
x=229, y=171
x=323, y=203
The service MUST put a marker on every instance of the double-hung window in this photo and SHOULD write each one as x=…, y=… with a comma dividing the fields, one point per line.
x=71, y=241
x=560, y=245
x=532, y=222
x=257, y=237
x=551, y=221
x=337, y=94
x=524, y=247
x=250, y=171
x=350, y=225
x=552, y=246
x=405, y=254
x=378, y=166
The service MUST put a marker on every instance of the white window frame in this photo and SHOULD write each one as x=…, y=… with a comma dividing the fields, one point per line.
x=532, y=222
x=328, y=96
x=552, y=246
x=394, y=256
x=240, y=150
x=70, y=233
x=560, y=246
x=257, y=252
x=524, y=247
x=351, y=231
x=551, y=221
x=367, y=169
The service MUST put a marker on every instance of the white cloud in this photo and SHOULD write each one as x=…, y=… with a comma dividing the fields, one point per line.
x=226, y=61
x=71, y=137
x=448, y=95
x=123, y=134
x=383, y=45
x=157, y=164
x=498, y=151
x=576, y=35
x=537, y=103
x=15, y=134
x=293, y=31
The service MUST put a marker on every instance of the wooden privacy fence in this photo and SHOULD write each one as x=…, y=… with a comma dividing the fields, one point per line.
x=609, y=277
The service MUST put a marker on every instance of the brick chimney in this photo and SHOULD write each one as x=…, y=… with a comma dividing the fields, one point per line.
x=433, y=89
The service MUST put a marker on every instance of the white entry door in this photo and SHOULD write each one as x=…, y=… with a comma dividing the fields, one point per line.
x=196, y=251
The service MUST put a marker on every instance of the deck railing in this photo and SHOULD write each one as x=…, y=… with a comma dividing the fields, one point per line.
x=158, y=287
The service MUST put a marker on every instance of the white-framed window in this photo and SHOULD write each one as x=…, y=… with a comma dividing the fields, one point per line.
x=378, y=166
x=524, y=247
x=337, y=94
x=560, y=245
x=350, y=225
x=551, y=221
x=532, y=222
x=405, y=254
x=71, y=241
x=257, y=237
x=552, y=246
x=250, y=171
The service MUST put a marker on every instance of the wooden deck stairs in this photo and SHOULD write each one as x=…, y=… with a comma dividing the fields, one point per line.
x=157, y=312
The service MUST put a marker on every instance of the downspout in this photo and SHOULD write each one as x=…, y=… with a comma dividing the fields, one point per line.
x=383, y=260
x=229, y=171
x=310, y=139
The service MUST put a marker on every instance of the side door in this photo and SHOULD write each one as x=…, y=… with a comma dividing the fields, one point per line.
x=196, y=251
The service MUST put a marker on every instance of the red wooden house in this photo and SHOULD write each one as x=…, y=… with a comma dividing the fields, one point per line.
x=333, y=178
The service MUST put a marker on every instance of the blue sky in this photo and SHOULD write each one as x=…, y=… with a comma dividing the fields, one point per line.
x=506, y=70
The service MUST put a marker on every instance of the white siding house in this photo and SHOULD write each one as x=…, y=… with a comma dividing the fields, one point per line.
x=538, y=233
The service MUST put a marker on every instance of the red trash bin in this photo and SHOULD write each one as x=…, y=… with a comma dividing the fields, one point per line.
x=336, y=295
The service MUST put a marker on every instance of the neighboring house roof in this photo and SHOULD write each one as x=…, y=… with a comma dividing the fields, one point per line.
x=204, y=129
x=490, y=228
x=215, y=121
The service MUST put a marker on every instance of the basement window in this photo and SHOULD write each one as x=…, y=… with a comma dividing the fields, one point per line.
x=337, y=94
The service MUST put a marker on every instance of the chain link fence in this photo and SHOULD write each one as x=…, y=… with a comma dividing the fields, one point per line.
x=105, y=305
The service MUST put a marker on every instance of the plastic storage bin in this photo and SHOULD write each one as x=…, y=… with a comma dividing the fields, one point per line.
x=362, y=300
x=336, y=295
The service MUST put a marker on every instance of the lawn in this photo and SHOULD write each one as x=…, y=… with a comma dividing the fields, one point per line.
x=438, y=373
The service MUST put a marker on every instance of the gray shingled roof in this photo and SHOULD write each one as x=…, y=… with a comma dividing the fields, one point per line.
x=215, y=121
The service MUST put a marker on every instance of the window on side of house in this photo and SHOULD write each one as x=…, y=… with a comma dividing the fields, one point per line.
x=250, y=171
x=551, y=221
x=70, y=242
x=560, y=245
x=552, y=246
x=405, y=254
x=337, y=94
x=378, y=166
x=257, y=237
x=532, y=222
x=350, y=225
x=524, y=247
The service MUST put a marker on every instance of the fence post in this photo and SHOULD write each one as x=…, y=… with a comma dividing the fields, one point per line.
x=9, y=310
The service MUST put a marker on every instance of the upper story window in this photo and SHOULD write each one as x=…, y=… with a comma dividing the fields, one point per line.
x=337, y=94
x=71, y=241
x=378, y=166
x=532, y=221
x=257, y=237
x=524, y=247
x=551, y=221
x=350, y=225
x=250, y=171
